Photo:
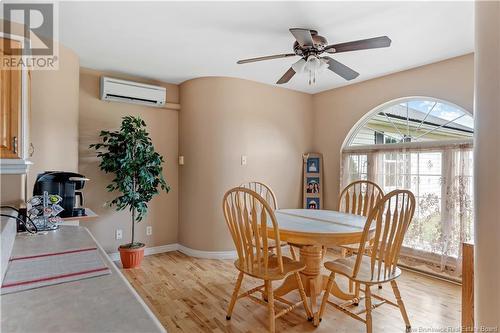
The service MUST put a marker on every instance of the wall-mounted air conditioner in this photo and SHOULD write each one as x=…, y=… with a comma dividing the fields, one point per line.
x=132, y=92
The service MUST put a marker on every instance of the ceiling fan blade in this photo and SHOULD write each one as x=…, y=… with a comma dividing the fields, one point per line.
x=287, y=76
x=276, y=56
x=341, y=69
x=363, y=44
x=303, y=36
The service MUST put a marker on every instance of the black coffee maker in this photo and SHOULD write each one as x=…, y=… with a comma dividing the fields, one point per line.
x=68, y=185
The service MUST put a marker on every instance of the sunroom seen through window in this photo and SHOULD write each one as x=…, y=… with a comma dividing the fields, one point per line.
x=423, y=145
x=415, y=121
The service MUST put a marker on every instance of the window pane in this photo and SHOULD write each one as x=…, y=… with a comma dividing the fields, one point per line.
x=415, y=121
x=357, y=167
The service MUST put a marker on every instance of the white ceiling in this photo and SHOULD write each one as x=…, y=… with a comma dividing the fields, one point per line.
x=178, y=41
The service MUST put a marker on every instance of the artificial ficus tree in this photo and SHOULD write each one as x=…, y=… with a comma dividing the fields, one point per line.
x=129, y=154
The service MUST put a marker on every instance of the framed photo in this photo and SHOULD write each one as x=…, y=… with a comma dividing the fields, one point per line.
x=313, y=165
x=313, y=203
x=312, y=181
x=313, y=185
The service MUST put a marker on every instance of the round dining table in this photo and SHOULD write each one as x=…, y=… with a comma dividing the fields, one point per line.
x=312, y=231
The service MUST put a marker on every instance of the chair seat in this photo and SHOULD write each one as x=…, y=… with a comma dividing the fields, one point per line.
x=290, y=266
x=271, y=243
x=351, y=247
x=355, y=247
x=344, y=266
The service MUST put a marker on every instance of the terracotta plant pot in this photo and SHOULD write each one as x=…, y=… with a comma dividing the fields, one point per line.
x=131, y=257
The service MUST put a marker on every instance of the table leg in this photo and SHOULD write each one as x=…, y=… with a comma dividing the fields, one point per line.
x=314, y=282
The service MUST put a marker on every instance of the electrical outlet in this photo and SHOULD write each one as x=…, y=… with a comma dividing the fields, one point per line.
x=118, y=234
x=243, y=159
x=149, y=230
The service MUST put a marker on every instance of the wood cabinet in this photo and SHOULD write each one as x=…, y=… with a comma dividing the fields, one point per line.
x=10, y=106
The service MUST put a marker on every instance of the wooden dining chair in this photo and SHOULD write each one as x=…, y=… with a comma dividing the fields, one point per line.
x=386, y=226
x=267, y=193
x=264, y=190
x=248, y=217
x=359, y=198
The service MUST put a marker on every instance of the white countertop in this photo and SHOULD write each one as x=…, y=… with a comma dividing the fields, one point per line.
x=8, y=232
x=101, y=304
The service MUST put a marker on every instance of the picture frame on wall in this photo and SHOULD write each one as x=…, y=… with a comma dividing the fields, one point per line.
x=312, y=181
x=313, y=203
x=313, y=165
x=313, y=185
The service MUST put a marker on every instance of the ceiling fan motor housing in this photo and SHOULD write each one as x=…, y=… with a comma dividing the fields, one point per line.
x=319, y=44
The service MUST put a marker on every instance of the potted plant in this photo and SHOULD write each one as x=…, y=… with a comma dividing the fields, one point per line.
x=130, y=155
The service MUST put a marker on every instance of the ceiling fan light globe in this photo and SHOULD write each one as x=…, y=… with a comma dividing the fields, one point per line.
x=299, y=66
x=313, y=64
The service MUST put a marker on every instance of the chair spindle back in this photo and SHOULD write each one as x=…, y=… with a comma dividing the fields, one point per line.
x=264, y=191
x=392, y=216
x=248, y=216
x=359, y=197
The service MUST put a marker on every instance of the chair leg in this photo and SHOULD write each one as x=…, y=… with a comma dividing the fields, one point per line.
x=270, y=303
x=401, y=305
x=235, y=296
x=292, y=252
x=303, y=297
x=368, y=306
x=356, y=293
x=351, y=285
x=319, y=316
x=264, y=294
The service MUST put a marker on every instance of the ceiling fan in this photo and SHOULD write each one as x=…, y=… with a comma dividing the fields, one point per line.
x=310, y=47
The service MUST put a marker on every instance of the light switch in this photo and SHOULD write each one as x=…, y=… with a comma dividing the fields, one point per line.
x=243, y=159
x=181, y=160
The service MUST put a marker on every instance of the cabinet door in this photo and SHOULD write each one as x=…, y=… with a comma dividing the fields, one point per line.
x=10, y=106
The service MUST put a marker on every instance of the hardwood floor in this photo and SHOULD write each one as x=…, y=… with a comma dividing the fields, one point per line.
x=192, y=295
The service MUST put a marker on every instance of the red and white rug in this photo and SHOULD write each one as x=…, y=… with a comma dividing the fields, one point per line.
x=47, y=269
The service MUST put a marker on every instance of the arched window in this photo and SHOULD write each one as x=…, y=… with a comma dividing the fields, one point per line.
x=424, y=145
x=413, y=120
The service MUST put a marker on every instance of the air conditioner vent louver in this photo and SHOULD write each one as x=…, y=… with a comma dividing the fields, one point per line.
x=132, y=92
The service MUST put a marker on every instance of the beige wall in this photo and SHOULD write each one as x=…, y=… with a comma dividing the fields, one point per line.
x=54, y=117
x=222, y=119
x=96, y=115
x=11, y=189
x=337, y=111
x=486, y=165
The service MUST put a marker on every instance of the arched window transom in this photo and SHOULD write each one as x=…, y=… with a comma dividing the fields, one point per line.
x=414, y=120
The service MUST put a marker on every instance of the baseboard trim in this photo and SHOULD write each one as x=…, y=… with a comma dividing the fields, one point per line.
x=115, y=256
x=207, y=254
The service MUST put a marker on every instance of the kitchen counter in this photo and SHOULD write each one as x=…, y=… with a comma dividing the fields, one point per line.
x=8, y=233
x=100, y=304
